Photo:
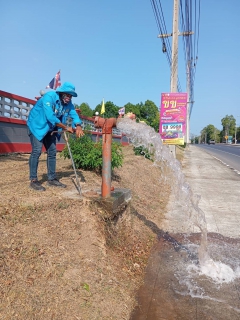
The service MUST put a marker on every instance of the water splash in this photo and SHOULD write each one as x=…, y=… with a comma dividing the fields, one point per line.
x=141, y=134
x=214, y=280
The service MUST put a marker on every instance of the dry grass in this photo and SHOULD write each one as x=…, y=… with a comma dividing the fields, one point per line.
x=58, y=258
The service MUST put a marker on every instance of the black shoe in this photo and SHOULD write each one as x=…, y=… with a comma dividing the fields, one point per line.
x=36, y=185
x=56, y=183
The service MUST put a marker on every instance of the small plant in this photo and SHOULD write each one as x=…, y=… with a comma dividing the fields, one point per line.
x=86, y=287
x=142, y=151
x=87, y=154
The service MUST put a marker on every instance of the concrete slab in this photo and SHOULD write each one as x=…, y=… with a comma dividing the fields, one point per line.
x=115, y=204
x=219, y=187
x=111, y=206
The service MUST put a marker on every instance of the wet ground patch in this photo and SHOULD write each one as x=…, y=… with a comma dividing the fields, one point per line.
x=174, y=288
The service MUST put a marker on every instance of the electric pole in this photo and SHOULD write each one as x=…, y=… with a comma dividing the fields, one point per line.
x=174, y=65
x=188, y=102
x=174, y=35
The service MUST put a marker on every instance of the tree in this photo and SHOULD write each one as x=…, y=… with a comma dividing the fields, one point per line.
x=147, y=112
x=129, y=107
x=194, y=139
x=210, y=133
x=111, y=110
x=229, y=125
x=85, y=109
x=155, y=122
x=150, y=113
x=237, y=133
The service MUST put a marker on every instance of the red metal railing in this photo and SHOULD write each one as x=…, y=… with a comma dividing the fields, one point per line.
x=14, y=111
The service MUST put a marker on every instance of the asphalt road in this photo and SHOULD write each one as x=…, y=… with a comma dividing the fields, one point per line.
x=228, y=154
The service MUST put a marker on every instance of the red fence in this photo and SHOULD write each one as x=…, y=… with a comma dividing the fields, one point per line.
x=14, y=111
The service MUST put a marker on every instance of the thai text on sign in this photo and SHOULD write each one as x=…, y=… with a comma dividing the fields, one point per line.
x=173, y=113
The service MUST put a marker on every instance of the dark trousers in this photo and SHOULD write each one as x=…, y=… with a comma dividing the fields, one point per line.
x=49, y=142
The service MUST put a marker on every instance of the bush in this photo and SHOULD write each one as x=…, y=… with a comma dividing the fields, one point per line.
x=87, y=154
x=142, y=151
x=184, y=146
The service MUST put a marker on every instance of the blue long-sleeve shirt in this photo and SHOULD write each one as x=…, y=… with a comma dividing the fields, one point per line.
x=49, y=111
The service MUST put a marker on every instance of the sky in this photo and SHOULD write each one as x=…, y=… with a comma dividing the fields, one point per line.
x=109, y=50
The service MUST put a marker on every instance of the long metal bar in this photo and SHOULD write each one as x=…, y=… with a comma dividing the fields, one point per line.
x=73, y=164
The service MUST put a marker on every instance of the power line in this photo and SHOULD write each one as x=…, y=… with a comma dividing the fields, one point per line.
x=190, y=12
x=190, y=16
x=166, y=46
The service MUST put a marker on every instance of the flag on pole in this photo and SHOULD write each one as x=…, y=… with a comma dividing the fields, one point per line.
x=103, y=107
x=121, y=111
x=55, y=82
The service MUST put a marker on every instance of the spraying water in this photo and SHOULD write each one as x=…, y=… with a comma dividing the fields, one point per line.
x=142, y=135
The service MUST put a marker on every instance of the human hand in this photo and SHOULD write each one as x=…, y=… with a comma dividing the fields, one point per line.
x=79, y=132
x=70, y=130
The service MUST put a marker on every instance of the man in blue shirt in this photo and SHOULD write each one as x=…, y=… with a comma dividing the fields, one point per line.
x=51, y=113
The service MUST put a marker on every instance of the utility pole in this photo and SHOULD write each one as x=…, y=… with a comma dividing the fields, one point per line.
x=226, y=133
x=188, y=103
x=235, y=142
x=174, y=66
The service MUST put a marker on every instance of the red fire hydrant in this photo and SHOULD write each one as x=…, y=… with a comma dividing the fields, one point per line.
x=106, y=125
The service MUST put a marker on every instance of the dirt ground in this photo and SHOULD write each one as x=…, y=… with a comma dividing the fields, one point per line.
x=59, y=259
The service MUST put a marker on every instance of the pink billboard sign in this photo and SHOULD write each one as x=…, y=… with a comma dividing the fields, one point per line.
x=173, y=112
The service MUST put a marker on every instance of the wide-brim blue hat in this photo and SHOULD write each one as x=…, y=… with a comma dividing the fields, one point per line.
x=67, y=87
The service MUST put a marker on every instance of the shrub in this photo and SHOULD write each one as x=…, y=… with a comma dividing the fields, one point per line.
x=142, y=151
x=87, y=154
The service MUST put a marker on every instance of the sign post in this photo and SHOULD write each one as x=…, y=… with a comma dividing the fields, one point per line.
x=172, y=127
